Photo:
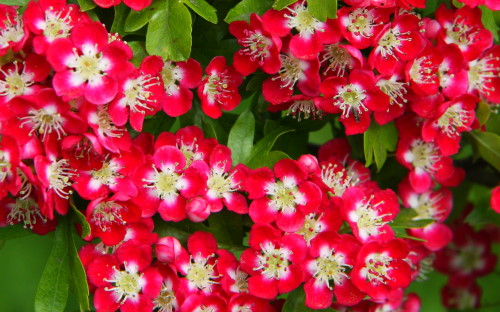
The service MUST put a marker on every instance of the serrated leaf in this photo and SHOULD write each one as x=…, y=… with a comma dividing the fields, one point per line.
x=487, y=145
x=263, y=147
x=322, y=9
x=52, y=292
x=80, y=218
x=78, y=277
x=13, y=231
x=86, y=5
x=377, y=140
x=203, y=9
x=240, y=139
x=121, y=12
x=242, y=11
x=281, y=4
x=489, y=22
x=169, y=32
x=483, y=112
x=137, y=19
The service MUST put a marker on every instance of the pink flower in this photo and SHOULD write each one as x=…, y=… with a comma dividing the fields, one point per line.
x=219, y=89
x=87, y=65
x=273, y=261
x=261, y=49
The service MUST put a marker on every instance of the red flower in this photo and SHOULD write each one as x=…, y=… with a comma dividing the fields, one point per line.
x=219, y=89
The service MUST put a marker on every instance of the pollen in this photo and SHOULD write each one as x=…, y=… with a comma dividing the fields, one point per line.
x=361, y=23
x=273, y=262
x=219, y=183
x=378, y=268
x=126, y=285
x=25, y=211
x=57, y=24
x=171, y=75
x=337, y=179
x=395, y=90
x=5, y=165
x=330, y=268
x=12, y=31
x=166, y=183
x=290, y=71
x=90, y=65
x=45, y=121
x=59, y=177
x=338, y=59
x=302, y=20
x=284, y=196
x=312, y=227
x=304, y=109
x=106, y=125
x=423, y=155
x=166, y=300
x=367, y=218
x=200, y=273
x=137, y=95
x=454, y=120
x=108, y=213
x=350, y=99
x=14, y=83
x=256, y=45
x=108, y=173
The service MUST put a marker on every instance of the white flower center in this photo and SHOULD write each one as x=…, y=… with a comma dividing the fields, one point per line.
x=107, y=213
x=4, y=165
x=302, y=20
x=166, y=300
x=126, y=285
x=166, y=183
x=106, y=125
x=57, y=25
x=361, y=23
x=311, y=227
x=273, y=262
x=90, y=66
x=284, y=196
x=338, y=59
x=14, y=83
x=391, y=42
x=337, y=180
x=367, y=217
x=45, y=120
x=304, y=109
x=255, y=45
x=330, y=268
x=377, y=268
x=454, y=120
x=200, y=273
x=171, y=75
x=395, y=90
x=350, y=99
x=25, y=210
x=423, y=155
x=219, y=183
x=482, y=72
x=11, y=31
x=290, y=71
x=59, y=175
x=137, y=97
x=461, y=33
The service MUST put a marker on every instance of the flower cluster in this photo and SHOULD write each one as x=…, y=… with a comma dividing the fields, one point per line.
x=72, y=112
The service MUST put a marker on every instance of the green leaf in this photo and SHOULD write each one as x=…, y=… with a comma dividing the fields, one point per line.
x=203, y=9
x=487, y=145
x=281, y=4
x=78, y=277
x=86, y=5
x=120, y=16
x=405, y=219
x=457, y=4
x=240, y=139
x=137, y=19
x=80, y=218
x=213, y=129
x=226, y=226
x=377, y=141
x=322, y=9
x=262, y=148
x=52, y=292
x=489, y=22
x=295, y=302
x=139, y=52
x=169, y=32
x=13, y=231
x=483, y=112
x=242, y=11
x=267, y=160
x=15, y=2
